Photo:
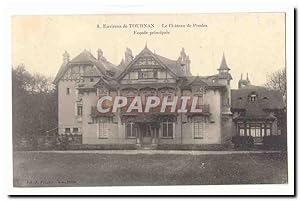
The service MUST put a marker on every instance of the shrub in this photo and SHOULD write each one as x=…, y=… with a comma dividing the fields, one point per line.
x=243, y=141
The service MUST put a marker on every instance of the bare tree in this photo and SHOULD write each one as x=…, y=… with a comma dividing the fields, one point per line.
x=277, y=81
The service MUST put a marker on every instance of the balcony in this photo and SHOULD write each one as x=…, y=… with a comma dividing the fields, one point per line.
x=204, y=109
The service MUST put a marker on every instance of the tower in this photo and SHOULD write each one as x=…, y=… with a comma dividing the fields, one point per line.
x=224, y=77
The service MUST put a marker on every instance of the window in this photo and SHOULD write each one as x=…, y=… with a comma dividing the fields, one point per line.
x=155, y=74
x=252, y=97
x=254, y=129
x=131, y=130
x=75, y=130
x=68, y=91
x=268, y=129
x=79, y=110
x=167, y=129
x=147, y=74
x=241, y=129
x=67, y=130
x=103, y=130
x=162, y=74
x=200, y=100
x=242, y=132
x=198, y=129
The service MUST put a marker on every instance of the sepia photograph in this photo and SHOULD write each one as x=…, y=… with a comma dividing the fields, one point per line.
x=149, y=99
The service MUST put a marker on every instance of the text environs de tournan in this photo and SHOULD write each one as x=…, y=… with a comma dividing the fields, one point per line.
x=113, y=26
x=151, y=25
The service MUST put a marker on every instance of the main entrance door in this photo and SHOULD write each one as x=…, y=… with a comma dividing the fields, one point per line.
x=148, y=133
x=145, y=133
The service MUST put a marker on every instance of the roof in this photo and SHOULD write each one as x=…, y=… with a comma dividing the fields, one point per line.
x=63, y=68
x=204, y=80
x=171, y=65
x=267, y=99
x=100, y=81
x=223, y=65
x=120, y=68
x=86, y=57
x=111, y=71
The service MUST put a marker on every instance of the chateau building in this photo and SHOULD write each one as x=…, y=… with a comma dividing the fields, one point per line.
x=83, y=80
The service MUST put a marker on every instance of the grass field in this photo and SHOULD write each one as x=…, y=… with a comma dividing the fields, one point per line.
x=97, y=169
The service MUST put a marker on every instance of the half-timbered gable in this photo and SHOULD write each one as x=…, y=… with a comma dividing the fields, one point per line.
x=146, y=68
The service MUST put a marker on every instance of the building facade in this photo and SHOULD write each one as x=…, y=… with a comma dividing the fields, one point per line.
x=258, y=111
x=84, y=79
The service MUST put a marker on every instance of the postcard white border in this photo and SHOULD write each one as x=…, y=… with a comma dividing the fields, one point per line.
x=94, y=7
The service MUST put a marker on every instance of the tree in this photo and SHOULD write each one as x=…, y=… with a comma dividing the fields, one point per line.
x=277, y=81
x=34, y=105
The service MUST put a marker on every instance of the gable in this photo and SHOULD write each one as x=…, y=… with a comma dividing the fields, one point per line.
x=102, y=82
x=76, y=72
x=146, y=65
x=87, y=65
x=198, y=82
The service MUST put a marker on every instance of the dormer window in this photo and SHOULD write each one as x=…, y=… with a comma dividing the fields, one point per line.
x=252, y=97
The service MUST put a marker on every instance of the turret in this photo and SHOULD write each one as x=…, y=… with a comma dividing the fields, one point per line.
x=224, y=78
x=224, y=69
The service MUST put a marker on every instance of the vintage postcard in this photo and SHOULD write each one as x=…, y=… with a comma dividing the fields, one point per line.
x=149, y=99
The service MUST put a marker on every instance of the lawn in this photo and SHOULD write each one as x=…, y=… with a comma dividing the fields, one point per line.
x=97, y=169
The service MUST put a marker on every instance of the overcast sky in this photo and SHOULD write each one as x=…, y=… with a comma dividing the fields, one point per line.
x=253, y=43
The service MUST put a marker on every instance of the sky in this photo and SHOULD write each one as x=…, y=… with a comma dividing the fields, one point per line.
x=253, y=43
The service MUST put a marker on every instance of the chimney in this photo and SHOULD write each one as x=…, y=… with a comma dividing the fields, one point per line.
x=66, y=57
x=188, y=62
x=128, y=55
x=99, y=54
x=184, y=62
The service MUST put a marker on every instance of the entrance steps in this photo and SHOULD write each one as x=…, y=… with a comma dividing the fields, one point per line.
x=148, y=147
